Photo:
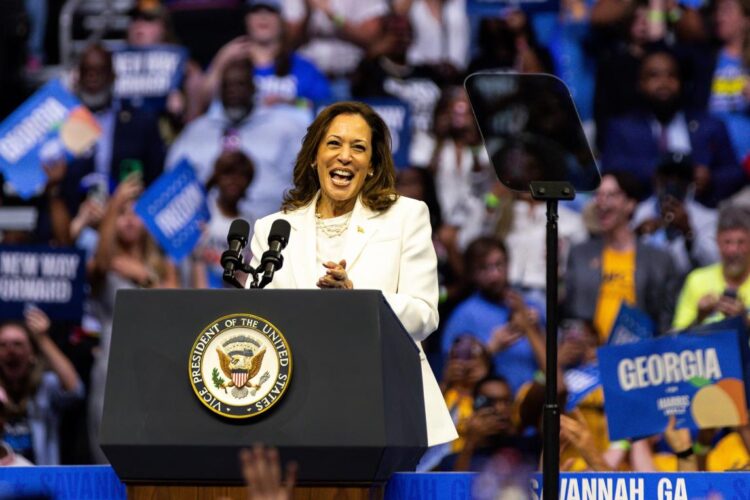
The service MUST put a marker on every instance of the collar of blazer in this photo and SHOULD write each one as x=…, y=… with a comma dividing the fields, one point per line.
x=303, y=259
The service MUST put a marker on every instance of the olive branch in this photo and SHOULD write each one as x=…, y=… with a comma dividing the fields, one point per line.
x=217, y=380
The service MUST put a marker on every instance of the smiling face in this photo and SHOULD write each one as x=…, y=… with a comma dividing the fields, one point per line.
x=16, y=353
x=612, y=205
x=343, y=160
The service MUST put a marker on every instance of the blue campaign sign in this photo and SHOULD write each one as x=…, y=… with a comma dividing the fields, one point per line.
x=52, y=279
x=396, y=114
x=499, y=7
x=696, y=378
x=51, y=125
x=631, y=325
x=146, y=75
x=650, y=486
x=174, y=210
x=580, y=382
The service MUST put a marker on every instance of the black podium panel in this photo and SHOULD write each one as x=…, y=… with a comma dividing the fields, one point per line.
x=353, y=411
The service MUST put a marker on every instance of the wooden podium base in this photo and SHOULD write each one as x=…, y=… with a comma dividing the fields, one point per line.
x=161, y=492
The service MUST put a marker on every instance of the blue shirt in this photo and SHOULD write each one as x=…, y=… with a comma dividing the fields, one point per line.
x=728, y=103
x=304, y=81
x=478, y=317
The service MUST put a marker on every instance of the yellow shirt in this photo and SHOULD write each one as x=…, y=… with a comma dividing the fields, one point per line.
x=618, y=285
x=461, y=407
x=704, y=281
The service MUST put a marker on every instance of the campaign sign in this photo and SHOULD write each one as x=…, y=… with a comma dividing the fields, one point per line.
x=696, y=378
x=52, y=279
x=146, y=75
x=499, y=7
x=395, y=113
x=174, y=210
x=631, y=325
x=50, y=125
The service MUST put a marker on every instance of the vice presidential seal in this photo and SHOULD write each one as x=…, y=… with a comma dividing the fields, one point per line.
x=240, y=366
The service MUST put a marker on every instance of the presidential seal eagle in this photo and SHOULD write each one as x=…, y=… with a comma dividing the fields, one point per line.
x=240, y=369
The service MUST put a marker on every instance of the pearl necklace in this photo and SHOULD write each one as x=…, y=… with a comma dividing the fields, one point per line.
x=335, y=229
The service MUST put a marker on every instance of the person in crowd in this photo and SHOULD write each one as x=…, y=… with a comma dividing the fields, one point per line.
x=126, y=257
x=151, y=24
x=526, y=244
x=130, y=139
x=468, y=363
x=490, y=430
x=233, y=173
x=12, y=55
x=267, y=135
x=617, y=61
x=638, y=141
x=385, y=72
x=458, y=160
x=281, y=75
x=352, y=230
x=729, y=94
x=508, y=43
x=40, y=383
x=497, y=315
x=8, y=457
x=616, y=268
x=335, y=34
x=723, y=289
x=444, y=20
x=671, y=219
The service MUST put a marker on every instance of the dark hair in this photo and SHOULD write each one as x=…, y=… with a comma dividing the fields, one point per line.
x=379, y=191
x=478, y=250
x=733, y=217
x=232, y=161
x=489, y=379
x=427, y=180
x=628, y=183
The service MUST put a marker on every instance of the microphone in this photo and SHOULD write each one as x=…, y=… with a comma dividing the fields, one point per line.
x=272, y=259
x=231, y=259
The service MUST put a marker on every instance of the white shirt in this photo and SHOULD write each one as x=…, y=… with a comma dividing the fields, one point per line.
x=436, y=41
x=330, y=54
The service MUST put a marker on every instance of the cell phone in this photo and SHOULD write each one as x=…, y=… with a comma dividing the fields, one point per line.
x=729, y=292
x=131, y=167
x=483, y=402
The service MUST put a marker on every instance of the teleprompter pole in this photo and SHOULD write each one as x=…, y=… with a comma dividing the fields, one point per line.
x=551, y=192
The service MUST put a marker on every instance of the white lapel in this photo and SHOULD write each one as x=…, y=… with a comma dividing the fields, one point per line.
x=361, y=228
x=302, y=256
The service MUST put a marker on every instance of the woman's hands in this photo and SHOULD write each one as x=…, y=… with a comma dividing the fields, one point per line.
x=335, y=276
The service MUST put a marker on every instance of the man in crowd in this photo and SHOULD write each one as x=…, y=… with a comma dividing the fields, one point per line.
x=270, y=136
x=130, y=139
x=637, y=142
x=604, y=272
x=497, y=315
x=720, y=290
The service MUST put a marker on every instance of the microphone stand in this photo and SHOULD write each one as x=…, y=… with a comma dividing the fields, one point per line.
x=229, y=276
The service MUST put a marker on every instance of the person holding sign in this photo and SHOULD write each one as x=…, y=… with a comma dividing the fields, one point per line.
x=720, y=290
x=126, y=257
x=344, y=205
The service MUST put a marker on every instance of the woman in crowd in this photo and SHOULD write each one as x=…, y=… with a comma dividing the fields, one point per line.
x=280, y=74
x=40, y=382
x=126, y=257
x=233, y=173
x=344, y=205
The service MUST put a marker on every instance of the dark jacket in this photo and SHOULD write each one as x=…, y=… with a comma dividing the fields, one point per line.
x=656, y=282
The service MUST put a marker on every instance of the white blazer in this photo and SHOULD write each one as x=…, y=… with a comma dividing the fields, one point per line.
x=389, y=251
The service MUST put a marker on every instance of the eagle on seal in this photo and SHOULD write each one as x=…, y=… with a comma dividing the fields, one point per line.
x=240, y=369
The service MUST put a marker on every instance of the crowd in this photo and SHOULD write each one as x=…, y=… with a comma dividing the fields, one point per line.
x=663, y=92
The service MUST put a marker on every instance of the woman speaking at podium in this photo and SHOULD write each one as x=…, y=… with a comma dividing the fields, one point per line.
x=344, y=205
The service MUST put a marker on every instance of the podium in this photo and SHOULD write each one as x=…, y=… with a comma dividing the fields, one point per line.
x=351, y=415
